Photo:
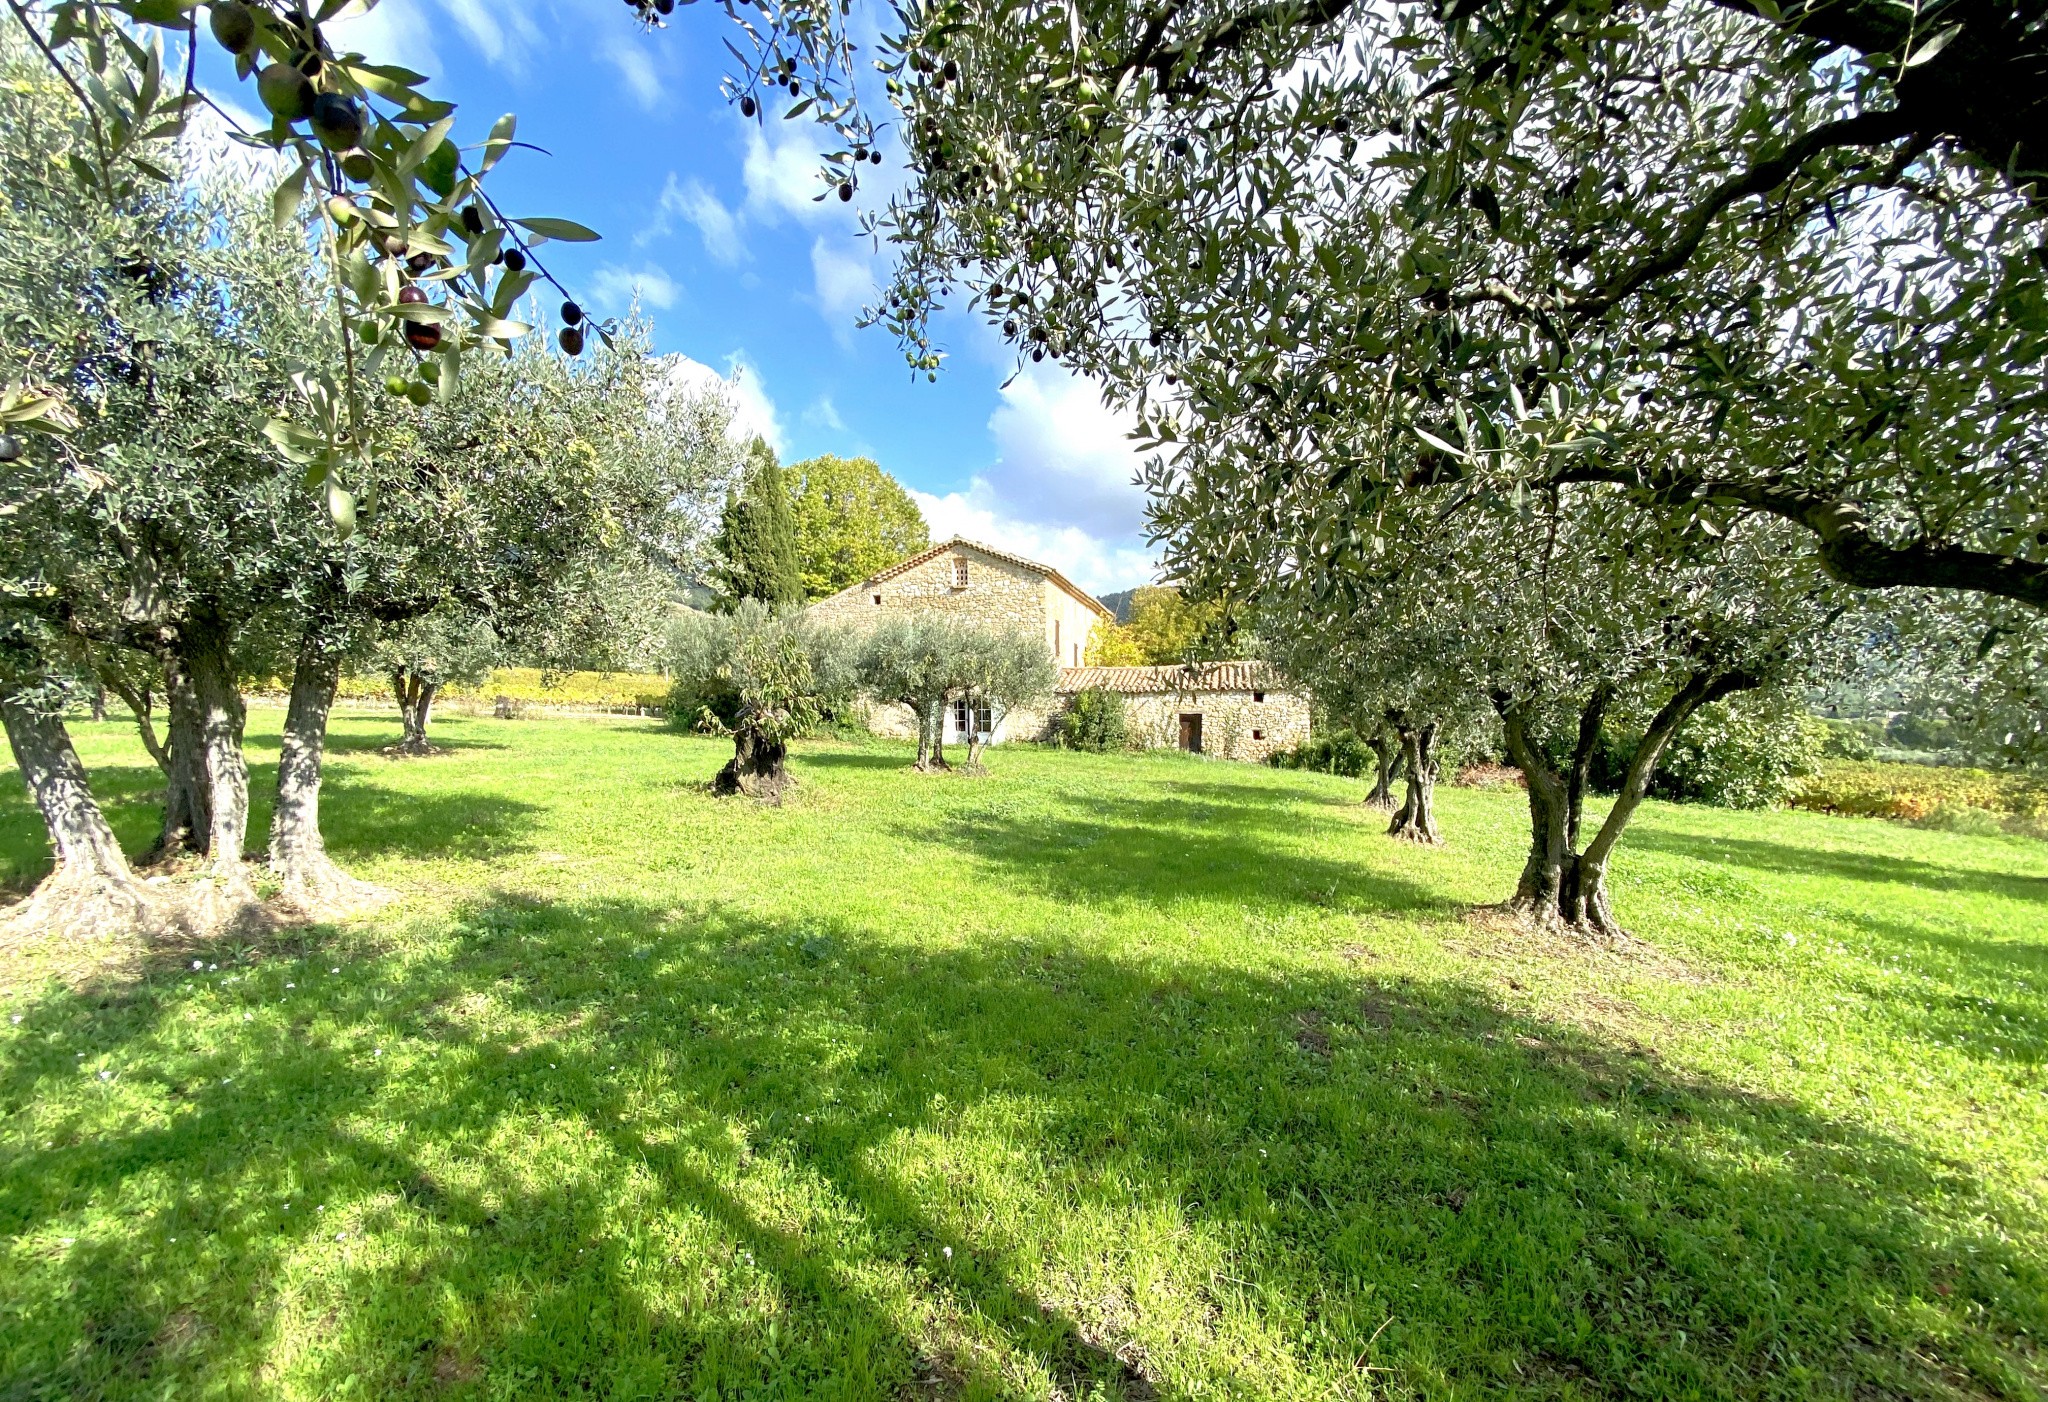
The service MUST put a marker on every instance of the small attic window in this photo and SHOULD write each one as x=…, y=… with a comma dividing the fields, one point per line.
x=959, y=573
x=878, y=600
x=1258, y=735
x=1257, y=696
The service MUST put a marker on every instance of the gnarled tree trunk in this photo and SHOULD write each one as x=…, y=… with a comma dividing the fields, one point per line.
x=1562, y=887
x=415, y=708
x=1416, y=820
x=310, y=881
x=1386, y=754
x=92, y=893
x=931, y=739
x=226, y=896
x=188, y=804
x=759, y=766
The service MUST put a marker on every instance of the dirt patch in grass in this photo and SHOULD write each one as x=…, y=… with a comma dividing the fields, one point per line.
x=1312, y=1034
x=1498, y=937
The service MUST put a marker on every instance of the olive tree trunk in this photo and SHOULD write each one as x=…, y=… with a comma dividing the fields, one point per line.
x=415, y=708
x=310, y=881
x=931, y=736
x=1386, y=754
x=226, y=897
x=188, y=803
x=91, y=893
x=1416, y=819
x=1564, y=887
x=759, y=767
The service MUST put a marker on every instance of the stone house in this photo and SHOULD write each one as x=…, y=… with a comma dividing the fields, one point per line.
x=1234, y=710
x=1239, y=710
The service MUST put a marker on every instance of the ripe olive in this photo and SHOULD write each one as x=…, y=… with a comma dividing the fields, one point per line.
x=287, y=92
x=419, y=263
x=846, y=191
x=422, y=335
x=337, y=121
x=571, y=340
x=746, y=107
x=234, y=25
x=10, y=448
x=473, y=218
x=412, y=296
x=571, y=313
x=515, y=261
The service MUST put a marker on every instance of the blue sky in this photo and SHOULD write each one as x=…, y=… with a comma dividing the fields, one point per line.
x=709, y=220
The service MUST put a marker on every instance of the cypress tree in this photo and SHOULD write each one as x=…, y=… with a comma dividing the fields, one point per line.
x=757, y=536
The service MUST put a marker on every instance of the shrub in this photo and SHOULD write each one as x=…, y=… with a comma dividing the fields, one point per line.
x=1920, y=793
x=1095, y=720
x=1748, y=752
x=1849, y=739
x=1339, y=753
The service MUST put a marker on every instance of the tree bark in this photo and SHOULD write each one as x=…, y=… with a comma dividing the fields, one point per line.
x=1541, y=895
x=1562, y=887
x=931, y=749
x=1416, y=820
x=758, y=767
x=1386, y=752
x=91, y=893
x=226, y=897
x=415, y=708
x=310, y=881
x=188, y=802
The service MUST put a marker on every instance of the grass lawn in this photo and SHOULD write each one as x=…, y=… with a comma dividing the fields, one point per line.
x=1098, y=1077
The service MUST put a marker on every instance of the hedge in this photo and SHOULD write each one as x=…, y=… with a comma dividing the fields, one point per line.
x=1914, y=792
x=608, y=690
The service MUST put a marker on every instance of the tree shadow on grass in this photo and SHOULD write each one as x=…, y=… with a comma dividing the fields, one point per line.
x=1171, y=847
x=608, y=1148
x=1760, y=855
x=361, y=818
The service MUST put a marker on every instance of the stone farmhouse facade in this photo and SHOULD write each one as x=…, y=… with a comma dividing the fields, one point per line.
x=1238, y=710
x=1234, y=710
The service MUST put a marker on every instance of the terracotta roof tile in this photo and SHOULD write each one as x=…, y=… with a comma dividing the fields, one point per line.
x=1196, y=676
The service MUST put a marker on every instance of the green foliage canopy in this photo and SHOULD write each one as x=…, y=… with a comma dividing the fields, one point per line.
x=757, y=540
x=852, y=519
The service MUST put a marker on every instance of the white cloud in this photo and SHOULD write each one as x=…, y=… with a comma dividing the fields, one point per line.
x=614, y=288
x=487, y=22
x=397, y=31
x=1061, y=449
x=753, y=411
x=693, y=202
x=823, y=413
x=843, y=273
x=782, y=172
x=637, y=69
x=1062, y=488
x=1097, y=565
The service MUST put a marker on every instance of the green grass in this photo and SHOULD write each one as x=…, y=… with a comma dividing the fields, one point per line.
x=1097, y=1077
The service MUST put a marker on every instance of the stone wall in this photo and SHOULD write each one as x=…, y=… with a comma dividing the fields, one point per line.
x=997, y=595
x=1234, y=726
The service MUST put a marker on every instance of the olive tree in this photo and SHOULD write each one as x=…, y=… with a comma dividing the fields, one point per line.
x=775, y=674
x=927, y=661
x=1002, y=671
x=1378, y=662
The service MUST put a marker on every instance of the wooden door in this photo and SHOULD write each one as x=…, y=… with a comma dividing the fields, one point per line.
x=1191, y=732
